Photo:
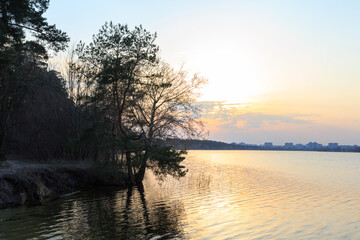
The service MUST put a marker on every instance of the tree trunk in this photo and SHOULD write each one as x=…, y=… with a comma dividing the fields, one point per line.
x=2, y=143
x=139, y=176
x=2, y=156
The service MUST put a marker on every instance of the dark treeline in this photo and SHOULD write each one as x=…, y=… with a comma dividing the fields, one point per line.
x=115, y=102
x=31, y=98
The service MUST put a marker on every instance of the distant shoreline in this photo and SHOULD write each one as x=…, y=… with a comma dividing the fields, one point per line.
x=271, y=150
x=216, y=145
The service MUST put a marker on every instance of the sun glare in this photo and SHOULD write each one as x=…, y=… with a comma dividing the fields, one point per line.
x=236, y=78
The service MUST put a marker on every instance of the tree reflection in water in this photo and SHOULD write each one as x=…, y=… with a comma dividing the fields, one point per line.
x=145, y=218
x=124, y=214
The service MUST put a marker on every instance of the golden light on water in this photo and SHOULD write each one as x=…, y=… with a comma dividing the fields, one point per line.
x=248, y=195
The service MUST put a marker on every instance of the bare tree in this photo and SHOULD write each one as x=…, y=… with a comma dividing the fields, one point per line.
x=165, y=111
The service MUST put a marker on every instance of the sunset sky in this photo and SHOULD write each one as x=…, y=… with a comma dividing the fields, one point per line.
x=279, y=71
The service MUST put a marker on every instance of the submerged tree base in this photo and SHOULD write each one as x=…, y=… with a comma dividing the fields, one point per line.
x=28, y=184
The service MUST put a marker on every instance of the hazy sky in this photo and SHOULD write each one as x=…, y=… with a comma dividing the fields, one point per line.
x=278, y=70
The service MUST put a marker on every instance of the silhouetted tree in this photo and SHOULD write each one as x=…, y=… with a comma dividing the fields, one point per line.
x=16, y=16
x=20, y=59
x=146, y=102
x=112, y=64
x=41, y=127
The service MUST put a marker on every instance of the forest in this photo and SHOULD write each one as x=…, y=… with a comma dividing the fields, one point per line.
x=115, y=101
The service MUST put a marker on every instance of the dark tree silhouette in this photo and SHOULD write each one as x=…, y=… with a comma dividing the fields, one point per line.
x=20, y=15
x=112, y=64
x=20, y=59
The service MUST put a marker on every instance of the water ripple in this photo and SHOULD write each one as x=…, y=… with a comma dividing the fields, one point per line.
x=234, y=195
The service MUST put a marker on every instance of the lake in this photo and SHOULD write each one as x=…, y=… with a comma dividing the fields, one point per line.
x=225, y=195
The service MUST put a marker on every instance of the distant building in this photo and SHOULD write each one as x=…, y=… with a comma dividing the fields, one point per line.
x=314, y=146
x=299, y=146
x=347, y=148
x=289, y=145
x=268, y=145
x=333, y=146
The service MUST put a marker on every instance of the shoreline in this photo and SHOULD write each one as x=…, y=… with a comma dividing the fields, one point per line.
x=24, y=183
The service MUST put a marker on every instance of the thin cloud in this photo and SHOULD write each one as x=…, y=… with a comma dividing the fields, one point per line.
x=236, y=115
x=257, y=120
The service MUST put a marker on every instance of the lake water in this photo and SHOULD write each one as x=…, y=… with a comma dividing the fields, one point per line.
x=225, y=195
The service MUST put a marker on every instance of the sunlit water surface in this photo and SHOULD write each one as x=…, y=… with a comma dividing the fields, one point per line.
x=225, y=195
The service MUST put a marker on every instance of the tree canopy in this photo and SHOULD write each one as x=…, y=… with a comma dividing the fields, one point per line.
x=19, y=16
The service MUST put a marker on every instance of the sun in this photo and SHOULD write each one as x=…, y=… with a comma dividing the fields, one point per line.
x=235, y=80
x=234, y=75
